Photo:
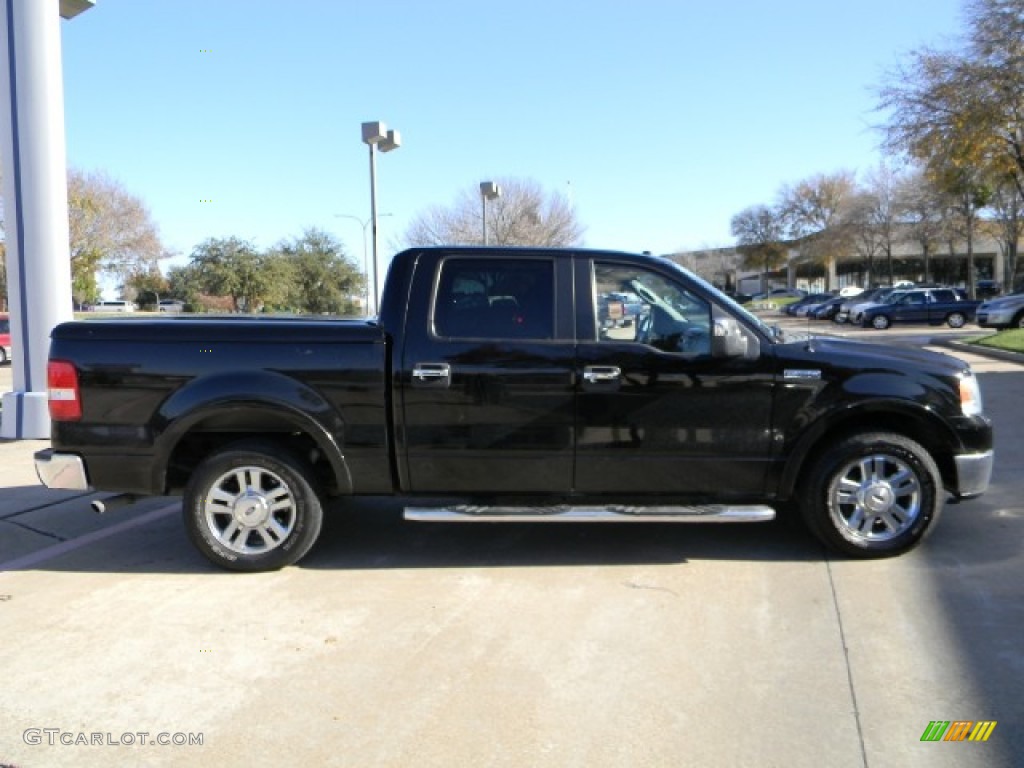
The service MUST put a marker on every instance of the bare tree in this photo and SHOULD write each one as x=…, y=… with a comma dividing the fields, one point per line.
x=522, y=215
x=110, y=229
x=866, y=239
x=960, y=113
x=760, y=233
x=813, y=210
x=1008, y=206
x=924, y=211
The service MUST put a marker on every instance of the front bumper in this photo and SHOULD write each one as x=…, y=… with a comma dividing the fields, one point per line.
x=61, y=470
x=973, y=473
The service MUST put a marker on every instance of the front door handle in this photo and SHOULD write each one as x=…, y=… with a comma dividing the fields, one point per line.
x=432, y=374
x=597, y=374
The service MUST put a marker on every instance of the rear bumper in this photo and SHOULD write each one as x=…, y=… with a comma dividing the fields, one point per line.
x=973, y=473
x=61, y=470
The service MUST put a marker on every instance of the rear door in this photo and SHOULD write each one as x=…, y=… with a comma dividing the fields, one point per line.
x=486, y=375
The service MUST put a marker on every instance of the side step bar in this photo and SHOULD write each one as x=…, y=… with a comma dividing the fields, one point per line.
x=709, y=513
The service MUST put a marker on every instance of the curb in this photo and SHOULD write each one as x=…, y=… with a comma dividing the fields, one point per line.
x=977, y=349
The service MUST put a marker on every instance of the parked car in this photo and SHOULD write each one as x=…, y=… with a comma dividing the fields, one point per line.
x=987, y=289
x=5, y=338
x=827, y=310
x=813, y=299
x=884, y=296
x=171, y=305
x=1004, y=312
x=114, y=306
x=864, y=297
x=922, y=305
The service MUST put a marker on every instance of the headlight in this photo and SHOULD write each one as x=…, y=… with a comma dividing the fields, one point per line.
x=970, y=394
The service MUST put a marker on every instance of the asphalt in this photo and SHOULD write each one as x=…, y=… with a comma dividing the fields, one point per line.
x=397, y=644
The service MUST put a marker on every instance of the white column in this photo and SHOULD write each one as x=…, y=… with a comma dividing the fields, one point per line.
x=35, y=203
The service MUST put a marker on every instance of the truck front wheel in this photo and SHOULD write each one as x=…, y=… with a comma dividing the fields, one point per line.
x=872, y=495
x=252, y=507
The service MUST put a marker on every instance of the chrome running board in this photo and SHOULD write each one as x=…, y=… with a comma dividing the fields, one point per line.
x=564, y=513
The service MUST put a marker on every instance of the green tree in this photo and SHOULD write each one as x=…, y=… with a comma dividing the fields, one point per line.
x=234, y=268
x=146, y=286
x=321, y=279
x=185, y=283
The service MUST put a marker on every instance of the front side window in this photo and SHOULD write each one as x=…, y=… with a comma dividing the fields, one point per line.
x=495, y=299
x=634, y=304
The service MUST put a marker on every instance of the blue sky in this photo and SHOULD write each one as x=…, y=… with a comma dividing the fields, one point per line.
x=661, y=119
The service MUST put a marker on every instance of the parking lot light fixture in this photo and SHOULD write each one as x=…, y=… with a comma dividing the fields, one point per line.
x=377, y=136
x=488, y=191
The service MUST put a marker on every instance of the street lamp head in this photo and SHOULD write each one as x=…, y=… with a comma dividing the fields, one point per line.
x=392, y=141
x=374, y=132
x=490, y=190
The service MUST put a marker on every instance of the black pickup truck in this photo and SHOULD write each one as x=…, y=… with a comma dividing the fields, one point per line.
x=489, y=379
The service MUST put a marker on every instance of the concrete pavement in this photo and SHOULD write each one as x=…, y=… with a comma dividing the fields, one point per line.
x=440, y=645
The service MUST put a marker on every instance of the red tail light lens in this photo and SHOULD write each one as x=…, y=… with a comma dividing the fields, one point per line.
x=65, y=399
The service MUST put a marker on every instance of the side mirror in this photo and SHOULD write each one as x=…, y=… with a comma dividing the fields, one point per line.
x=728, y=339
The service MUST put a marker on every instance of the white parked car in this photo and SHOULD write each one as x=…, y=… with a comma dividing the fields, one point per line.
x=114, y=306
x=171, y=305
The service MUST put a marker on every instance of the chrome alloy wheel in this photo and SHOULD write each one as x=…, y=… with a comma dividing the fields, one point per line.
x=250, y=510
x=874, y=498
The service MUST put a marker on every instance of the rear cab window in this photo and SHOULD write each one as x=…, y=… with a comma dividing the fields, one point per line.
x=495, y=299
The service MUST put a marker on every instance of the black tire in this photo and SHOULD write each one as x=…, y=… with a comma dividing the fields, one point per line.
x=3, y=356
x=880, y=322
x=956, y=320
x=874, y=494
x=271, y=522
x=1018, y=321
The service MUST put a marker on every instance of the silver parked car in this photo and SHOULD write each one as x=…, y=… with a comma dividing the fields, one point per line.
x=1004, y=312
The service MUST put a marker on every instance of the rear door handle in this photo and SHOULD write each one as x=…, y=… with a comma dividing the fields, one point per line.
x=597, y=374
x=432, y=374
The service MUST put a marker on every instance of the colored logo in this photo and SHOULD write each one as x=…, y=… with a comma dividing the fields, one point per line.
x=958, y=730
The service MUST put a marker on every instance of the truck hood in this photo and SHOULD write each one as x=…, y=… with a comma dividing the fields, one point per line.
x=830, y=352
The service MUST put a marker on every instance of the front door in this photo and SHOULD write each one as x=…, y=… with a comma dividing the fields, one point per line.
x=486, y=376
x=657, y=413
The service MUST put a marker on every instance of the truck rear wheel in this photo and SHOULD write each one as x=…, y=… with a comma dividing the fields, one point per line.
x=956, y=320
x=873, y=495
x=252, y=507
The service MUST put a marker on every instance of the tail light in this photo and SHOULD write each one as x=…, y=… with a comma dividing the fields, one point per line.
x=62, y=383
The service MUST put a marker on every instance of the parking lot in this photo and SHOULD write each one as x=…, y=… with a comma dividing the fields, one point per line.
x=403, y=644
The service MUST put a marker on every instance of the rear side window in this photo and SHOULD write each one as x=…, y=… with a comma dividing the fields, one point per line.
x=944, y=295
x=495, y=299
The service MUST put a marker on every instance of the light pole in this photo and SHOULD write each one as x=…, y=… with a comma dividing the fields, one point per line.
x=488, y=191
x=377, y=136
x=366, y=259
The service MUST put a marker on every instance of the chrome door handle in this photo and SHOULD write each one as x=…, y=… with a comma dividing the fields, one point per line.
x=594, y=374
x=432, y=374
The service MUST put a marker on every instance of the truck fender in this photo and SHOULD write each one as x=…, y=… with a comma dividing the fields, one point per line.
x=907, y=418
x=266, y=391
